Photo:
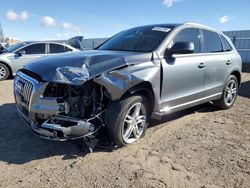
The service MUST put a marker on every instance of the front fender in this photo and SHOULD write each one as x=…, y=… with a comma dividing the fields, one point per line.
x=118, y=82
x=6, y=59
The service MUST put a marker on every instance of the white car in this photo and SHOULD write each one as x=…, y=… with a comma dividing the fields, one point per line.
x=14, y=57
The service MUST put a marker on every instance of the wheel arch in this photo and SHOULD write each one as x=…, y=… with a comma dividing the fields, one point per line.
x=237, y=74
x=144, y=88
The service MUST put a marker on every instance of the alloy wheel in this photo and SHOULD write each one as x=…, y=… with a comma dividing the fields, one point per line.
x=134, y=123
x=3, y=72
x=230, y=92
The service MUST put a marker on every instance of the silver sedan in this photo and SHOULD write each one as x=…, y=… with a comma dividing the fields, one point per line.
x=14, y=57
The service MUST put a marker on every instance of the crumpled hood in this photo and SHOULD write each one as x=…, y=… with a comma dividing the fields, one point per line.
x=78, y=67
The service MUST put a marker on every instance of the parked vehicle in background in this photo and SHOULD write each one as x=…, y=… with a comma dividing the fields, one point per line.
x=1, y=47
x=14, y=57
x=141, y=72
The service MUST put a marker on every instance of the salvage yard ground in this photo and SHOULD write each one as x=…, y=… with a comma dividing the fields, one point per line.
x=198, y=147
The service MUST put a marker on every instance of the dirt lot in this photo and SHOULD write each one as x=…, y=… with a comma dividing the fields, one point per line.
x=199, y=147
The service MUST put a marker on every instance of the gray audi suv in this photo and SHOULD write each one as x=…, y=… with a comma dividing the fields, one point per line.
x=143, y=72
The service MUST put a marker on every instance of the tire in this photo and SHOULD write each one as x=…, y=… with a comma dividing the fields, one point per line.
x=123, y=121
x=229, y=94
x=4, y=72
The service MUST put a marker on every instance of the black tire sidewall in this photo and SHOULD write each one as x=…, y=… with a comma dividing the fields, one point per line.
x=117, y=112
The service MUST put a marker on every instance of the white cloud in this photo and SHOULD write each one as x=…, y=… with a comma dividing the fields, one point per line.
x=48, y=21
x=224, y=19
x=169, y=3
x=24, y=15
x=13, y=16
x=70, y=27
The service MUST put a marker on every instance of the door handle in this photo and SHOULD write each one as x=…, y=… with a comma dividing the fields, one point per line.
x=201, y=65
x=229, y=62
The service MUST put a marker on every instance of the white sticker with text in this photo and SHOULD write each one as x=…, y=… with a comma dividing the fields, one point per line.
x=162, y=29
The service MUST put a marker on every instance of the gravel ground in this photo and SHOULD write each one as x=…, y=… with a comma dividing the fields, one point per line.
x=198, y=147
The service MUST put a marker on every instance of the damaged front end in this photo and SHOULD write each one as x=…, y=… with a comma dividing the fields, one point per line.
x=58, y=111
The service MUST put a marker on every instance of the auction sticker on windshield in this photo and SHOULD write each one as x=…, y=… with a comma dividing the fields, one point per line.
x=162, y=29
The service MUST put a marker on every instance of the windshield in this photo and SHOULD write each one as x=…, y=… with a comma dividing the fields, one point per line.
x=14, y=47
x=141, y=39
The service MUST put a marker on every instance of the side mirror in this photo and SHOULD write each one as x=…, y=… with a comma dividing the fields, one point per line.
x=21, y=52
x=181, y=48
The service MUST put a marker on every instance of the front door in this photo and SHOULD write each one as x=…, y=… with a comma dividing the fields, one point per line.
x=28, y=54
x=183, y=75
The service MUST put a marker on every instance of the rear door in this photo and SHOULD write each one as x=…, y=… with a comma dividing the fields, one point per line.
x=183, y=75
x=216, y=63
x=58, y=48
x=28, y=54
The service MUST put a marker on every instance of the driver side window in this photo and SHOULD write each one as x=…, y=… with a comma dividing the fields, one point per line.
x=34, y=49
x=188, y=35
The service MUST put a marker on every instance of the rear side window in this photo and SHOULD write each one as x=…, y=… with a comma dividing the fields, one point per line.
x=211, y=42
x=226, y=45
x=35, y=49
x=57, y=48
x=189, y=35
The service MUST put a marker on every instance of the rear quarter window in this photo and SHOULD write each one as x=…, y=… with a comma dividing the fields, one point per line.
x=57, y=48
x=226, y=46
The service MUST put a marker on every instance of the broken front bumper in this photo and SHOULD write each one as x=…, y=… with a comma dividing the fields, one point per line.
x=33, y=107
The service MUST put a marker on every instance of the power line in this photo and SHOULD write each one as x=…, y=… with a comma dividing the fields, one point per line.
x=81, y=15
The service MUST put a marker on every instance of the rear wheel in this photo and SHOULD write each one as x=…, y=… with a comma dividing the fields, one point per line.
x=4, y=72
x=229, y=95
x=127, y=119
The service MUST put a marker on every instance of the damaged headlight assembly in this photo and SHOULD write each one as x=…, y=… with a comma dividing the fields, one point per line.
x=73, y=75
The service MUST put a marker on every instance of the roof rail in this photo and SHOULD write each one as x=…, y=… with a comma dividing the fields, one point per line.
x=193, y=23
x=201, y=25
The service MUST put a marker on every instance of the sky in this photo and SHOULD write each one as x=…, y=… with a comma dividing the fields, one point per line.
x=62, y=19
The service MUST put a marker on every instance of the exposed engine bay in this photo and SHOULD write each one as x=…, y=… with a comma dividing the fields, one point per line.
x=83, y=102
x=59, y=111
x=81, y=109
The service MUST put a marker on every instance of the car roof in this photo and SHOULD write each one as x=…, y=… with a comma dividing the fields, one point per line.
x=201, y=26
x=43, y=41
x=170, y=25
x=51, y=42
x=175, y=25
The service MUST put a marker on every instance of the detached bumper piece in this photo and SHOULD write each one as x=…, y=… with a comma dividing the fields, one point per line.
x=62, y=128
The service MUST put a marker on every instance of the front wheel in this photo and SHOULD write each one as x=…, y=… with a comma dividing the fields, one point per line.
x=127, y=119
x=4, y=72
x=229, y=95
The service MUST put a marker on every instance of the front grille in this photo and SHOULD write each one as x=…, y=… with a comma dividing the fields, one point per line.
x=24, y=88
